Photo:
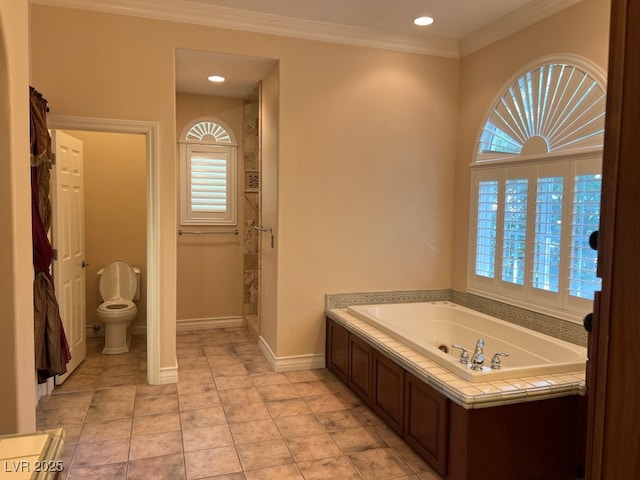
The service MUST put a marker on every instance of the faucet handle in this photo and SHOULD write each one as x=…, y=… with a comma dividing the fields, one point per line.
x=495, y=361
x=464, y=354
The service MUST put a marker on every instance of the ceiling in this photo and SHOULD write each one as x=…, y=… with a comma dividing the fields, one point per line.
x=460, y=27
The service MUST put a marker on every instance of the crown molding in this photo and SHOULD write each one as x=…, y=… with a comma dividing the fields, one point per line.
x=186, y=11
x=197, y=13
x=511, y=23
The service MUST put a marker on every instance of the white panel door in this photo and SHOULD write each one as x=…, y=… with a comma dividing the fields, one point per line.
x=67, y=196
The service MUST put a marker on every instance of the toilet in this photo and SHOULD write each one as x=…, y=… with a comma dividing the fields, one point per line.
x=119, y=286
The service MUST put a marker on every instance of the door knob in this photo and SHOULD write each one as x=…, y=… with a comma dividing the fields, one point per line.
x=593, y=240
x=84, y=264
x=587, y=323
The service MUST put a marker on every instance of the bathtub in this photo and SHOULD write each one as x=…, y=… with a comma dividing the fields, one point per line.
x=431, y=327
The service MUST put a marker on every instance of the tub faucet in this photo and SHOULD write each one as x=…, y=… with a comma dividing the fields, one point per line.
x=477, y=361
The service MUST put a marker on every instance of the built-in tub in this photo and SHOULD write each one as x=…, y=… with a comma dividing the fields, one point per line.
x=427, y=327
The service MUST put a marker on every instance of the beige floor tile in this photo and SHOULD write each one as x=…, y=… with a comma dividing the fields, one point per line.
x=235, y=396
x=118, y=380
x=264, y=454
x=232, y=382
x=284, y=408
x=66, y=400
x=256, y=431
x=318, y=387
x=192, y=362
x=106, y=430
x=211, y=462
x=101, y=412
x=78, y=383
x=154, y=405
x=115, y=394
x=195, y=374
x=192, y=401
x=234, y=369
x=202, y=417
x=329, y=469
x=206, y=437
x=257, y=366
x=169, y=467
x=357, y=439
x=156, y=390
x=100, y=472
x=277, y=392
x=340, y=420
x=217, y=360
x=305, y=376
x=326, y=403
x=155, y=445
x=269, y=379
x=160, y=422
x=313, y=447
x=184, y=388
x=379, y=463
x=298, y=425
x=246, y=412
x=59, y=416
x=101, y=453
x=281, y=472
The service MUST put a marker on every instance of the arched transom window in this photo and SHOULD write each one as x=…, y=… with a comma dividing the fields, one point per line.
x=536, y=181
x=208, y=171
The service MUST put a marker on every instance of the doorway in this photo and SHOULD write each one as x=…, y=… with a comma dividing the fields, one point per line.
x=150, y=132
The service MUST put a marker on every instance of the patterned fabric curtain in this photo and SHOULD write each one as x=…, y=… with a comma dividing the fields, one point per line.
x=51, y=348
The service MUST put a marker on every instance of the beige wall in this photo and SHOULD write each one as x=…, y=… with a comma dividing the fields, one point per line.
x=581, y=30
x=365, y=157
x=17, y=375
x=115, y=204
x=210, y=267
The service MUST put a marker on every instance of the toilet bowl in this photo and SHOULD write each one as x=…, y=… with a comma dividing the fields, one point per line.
x=119, y=285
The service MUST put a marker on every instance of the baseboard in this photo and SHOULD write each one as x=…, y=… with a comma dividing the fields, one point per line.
x=188, y=324
x=168, y=375
x=292, y=363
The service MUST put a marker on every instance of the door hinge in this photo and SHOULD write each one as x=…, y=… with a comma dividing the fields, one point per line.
x=54, y=254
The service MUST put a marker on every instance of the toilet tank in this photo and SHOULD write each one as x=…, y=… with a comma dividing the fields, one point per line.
x=136, y=270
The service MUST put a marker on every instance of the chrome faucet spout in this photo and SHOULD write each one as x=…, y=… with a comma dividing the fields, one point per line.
x=477, y=360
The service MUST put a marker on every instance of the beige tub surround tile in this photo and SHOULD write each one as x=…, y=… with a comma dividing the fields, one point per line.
x=206, y=437
x=211, y=462
x=236, y=396
x=313, y=447
x=285, y=408
x=264, y=454
x=278, y=392
x=202, y=417
x=115, y=394
x=155, y=445
x=156, y=423
x=100, y=472
x=281, y=472
x=231, y=382
x=256, y=431
x=379, y=463
x=106, y=430
x=327, y=403
x=246, y=412
x=168, y=467
x=341, y=420
x=192, y=401
x=358, y=439
x=101, y=453
x=298, y=425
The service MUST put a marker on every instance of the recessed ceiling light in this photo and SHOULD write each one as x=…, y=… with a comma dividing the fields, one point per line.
x=422, y=21
x=215, y=78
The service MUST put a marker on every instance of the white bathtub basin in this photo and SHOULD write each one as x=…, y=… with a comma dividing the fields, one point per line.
x=427, y=326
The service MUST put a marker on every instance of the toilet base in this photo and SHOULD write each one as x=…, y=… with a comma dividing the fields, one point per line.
x=116, y=339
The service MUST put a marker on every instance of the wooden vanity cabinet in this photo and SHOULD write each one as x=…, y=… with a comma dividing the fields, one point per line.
x=360, y=368
x=388, y=391
x=337, y=350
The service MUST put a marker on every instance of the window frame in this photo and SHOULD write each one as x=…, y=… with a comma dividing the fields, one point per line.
x=208, y=145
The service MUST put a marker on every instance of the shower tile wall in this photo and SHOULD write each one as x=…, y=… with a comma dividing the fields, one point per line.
x=251, y=205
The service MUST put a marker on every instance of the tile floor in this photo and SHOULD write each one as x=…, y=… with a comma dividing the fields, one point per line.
x=229, y=417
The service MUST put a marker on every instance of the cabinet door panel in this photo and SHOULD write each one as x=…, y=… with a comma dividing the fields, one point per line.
x=337, y=349
x=425, y=427
x=388, y=389
x=360, y=377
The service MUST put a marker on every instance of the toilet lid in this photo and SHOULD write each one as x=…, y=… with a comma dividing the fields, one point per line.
x=118, y=281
